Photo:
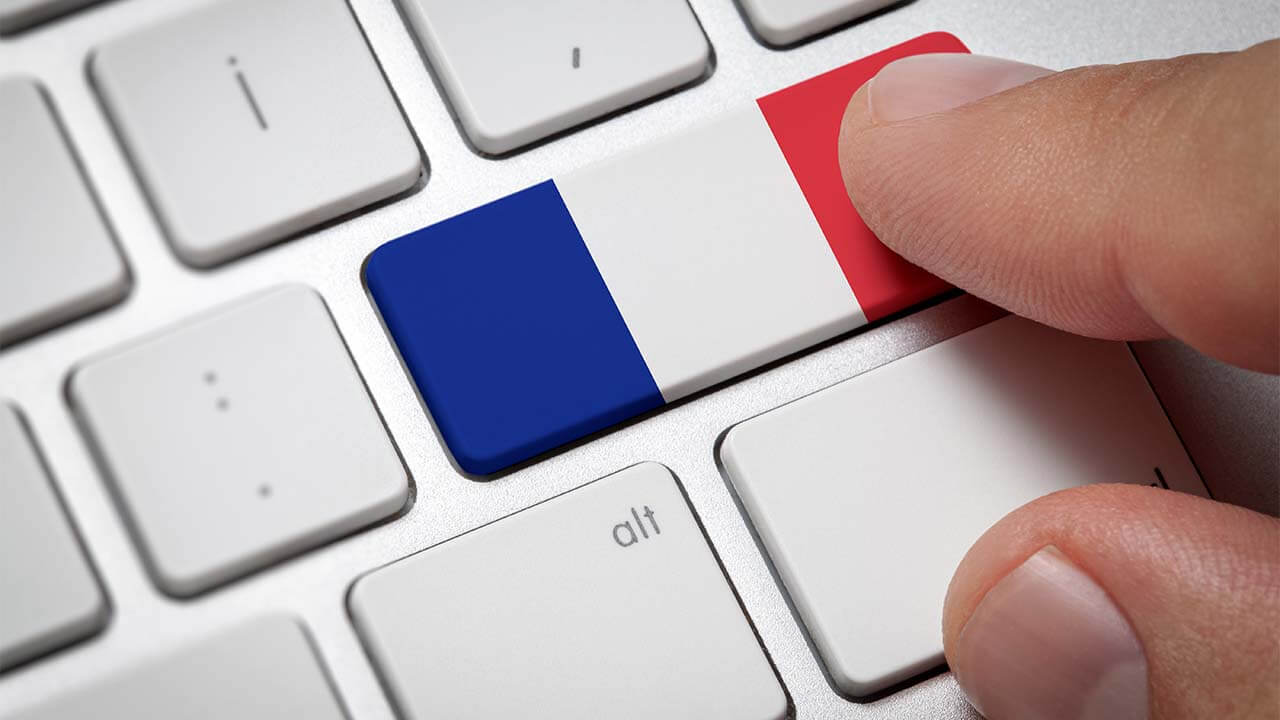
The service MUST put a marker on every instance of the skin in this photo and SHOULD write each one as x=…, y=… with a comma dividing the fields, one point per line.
x=1125, y=202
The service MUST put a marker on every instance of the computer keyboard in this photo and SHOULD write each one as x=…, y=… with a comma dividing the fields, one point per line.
x=421, y=359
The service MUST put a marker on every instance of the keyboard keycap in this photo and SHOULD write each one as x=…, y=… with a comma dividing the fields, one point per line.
x=261, y=670
x=239, y=438
x=48, y=594
x=867, y=495
x=517, y=72
x=251, y=121
x=604, y=602
x=18, y=15
x=57, y=258
x=580, y=302
x=782, y=22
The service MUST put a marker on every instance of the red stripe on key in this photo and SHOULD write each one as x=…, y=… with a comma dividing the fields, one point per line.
x=805, y=120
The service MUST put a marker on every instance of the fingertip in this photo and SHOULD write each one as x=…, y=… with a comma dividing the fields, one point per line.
x=1087, y=516
x=1112, y=201
x=857, y=118
x=1047, y=641
x=1122, y=595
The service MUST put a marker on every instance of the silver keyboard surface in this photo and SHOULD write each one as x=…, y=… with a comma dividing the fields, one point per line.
x=145, y=625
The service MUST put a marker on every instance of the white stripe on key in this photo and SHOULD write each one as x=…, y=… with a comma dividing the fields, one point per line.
x=711, y=252
x=603, y=602
x=867, y=495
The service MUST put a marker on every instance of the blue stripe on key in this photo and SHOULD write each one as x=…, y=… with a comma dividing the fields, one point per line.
x=509, y=331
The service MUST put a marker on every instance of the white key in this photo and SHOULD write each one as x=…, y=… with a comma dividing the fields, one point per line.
x=239, y=438
x=250, y=121
x=48, y=595
x=604, y=602
x=57, y=259
x=747, y=276
x=517, y=72
x=261, y=670
x=867, y=494
x=782, y=22
x=18, y=15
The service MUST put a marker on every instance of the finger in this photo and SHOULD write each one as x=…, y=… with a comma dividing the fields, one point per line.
x=1123, y=202
x=1118, y=601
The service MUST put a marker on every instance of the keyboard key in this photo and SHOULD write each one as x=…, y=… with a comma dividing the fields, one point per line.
x=18, y=15
x=580, y=302
x=517, y=72
x=261, y=670
x=57, y=259
x=867, y=495
x=782, y=22
x=50, y=596
x=239, y=438
x=604, y=602
x=251, y=121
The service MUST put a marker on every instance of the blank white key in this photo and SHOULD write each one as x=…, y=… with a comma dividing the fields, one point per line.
x=782, y=22
x=517, y=72
x=239, y=438
x=57, y=259
x=18, y=15
x=867, y=494
x=604, y=602
x=261, y=670
x=48, y=595
x=250, y=121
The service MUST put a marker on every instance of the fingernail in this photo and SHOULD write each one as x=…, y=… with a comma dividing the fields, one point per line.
x=1047, y=642
x=927, y=84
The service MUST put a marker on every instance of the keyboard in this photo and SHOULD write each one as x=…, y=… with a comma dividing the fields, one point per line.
x=426, y=359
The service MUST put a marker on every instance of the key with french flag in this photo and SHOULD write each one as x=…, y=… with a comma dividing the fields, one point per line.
x=588, y=299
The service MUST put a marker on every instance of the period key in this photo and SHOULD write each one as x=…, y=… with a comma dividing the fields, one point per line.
x=603, y=602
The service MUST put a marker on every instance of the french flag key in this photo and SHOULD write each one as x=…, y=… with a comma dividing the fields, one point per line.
x=585, y=300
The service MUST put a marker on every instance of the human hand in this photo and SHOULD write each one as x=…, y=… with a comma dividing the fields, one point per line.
x=1125, y=202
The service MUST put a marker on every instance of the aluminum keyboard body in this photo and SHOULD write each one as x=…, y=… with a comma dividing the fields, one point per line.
x=1205, y=400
